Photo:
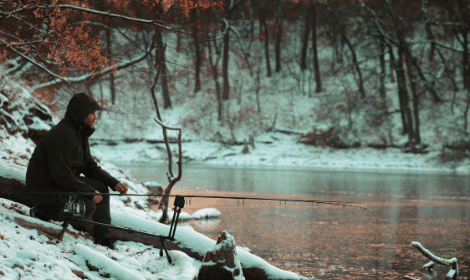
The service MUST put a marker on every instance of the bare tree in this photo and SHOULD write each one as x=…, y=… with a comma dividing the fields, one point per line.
x=197, y=46
x=229, y=7
x=311, y=26
x=279, y=22
x=164, y=80
x=339, y=20
x=172, y=179
x=213, y=45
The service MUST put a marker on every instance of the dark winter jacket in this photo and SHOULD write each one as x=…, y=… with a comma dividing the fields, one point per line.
x=63, y=153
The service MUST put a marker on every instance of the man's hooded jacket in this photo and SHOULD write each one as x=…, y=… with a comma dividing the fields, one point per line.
x=63, y=153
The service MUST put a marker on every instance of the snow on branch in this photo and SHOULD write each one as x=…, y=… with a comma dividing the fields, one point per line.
x=70, y=80
x=109, y=14
x=59, y=78
x=453, y=262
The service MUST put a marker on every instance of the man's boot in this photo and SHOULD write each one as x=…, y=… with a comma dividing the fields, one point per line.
x=38, y=213
x=106, y=242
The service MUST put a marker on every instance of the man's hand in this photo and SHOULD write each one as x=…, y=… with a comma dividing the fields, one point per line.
x=97, y=198
x=121, y=188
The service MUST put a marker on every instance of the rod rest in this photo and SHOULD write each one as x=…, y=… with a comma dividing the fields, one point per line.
x=69, y=215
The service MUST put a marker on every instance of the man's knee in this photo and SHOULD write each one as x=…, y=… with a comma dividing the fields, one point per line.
x=97, y=185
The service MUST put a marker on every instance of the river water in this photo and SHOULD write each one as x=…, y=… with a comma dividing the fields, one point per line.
x=332, y=242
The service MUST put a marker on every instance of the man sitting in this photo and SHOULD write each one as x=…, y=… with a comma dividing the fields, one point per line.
x=58, y=160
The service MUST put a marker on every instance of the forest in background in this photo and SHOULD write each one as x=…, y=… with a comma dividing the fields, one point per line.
x=377, y=73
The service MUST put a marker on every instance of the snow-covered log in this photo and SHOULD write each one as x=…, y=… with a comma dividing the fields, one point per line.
x=104, y=264
x=453, y=262
x=9, y=185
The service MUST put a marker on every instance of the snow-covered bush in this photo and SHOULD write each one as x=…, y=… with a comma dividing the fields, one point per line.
x=22, y=113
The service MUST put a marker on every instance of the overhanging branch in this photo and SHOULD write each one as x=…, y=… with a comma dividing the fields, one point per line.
x=70, y=80
x=109, y=14
x=59, y=78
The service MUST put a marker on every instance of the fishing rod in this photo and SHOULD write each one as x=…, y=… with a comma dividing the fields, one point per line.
x=75, y=211
x=242, y=198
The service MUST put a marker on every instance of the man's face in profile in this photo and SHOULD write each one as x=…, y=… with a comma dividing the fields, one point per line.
x=90, y=119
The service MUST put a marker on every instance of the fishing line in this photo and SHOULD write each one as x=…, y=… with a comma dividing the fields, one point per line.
x=239, y=198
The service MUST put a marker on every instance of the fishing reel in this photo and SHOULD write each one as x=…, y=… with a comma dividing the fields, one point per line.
x=74, y=209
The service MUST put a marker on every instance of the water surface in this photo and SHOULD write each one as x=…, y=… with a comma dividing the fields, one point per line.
x=331, y=242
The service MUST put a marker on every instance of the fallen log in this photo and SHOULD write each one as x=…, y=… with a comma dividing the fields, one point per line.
x=9, y=186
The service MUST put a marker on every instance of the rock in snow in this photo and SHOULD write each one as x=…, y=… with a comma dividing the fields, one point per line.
x=222, y=262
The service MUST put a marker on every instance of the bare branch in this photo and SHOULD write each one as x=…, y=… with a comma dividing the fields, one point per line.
x=59, y=78
x=437, y=44
x=18, y=18
x=454, y=271
x=109, y=14
x=436, y=22
x=377, y=21
x=22, y=43
x=234, y=5
x=242, y=46
x=171, y=178
x=70, y=80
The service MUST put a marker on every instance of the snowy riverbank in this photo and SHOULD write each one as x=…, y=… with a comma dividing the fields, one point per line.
x=280, y=150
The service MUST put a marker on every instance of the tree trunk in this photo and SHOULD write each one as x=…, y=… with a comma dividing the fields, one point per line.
x=403, y=96
x=163, y=80
x=214, y=71
x=111, y=75
x=360, y=82
x=465, y=60
x=392, y=64
x=465, y=112
x=303, y=55
x=465, y=18
x=225, y=56
x=198, y=55
x=278, y=36
x=226, y=86
x=258, y=87
x=316, y=66
x=382, y=70
x=252, y=19
x=102, y=98
x=429, y=35
x=415, y=100
x=264, y=27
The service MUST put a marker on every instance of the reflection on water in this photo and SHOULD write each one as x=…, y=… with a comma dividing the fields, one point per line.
x=331, y=242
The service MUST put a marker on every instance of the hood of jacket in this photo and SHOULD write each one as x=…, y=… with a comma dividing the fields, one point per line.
x=79, y=107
